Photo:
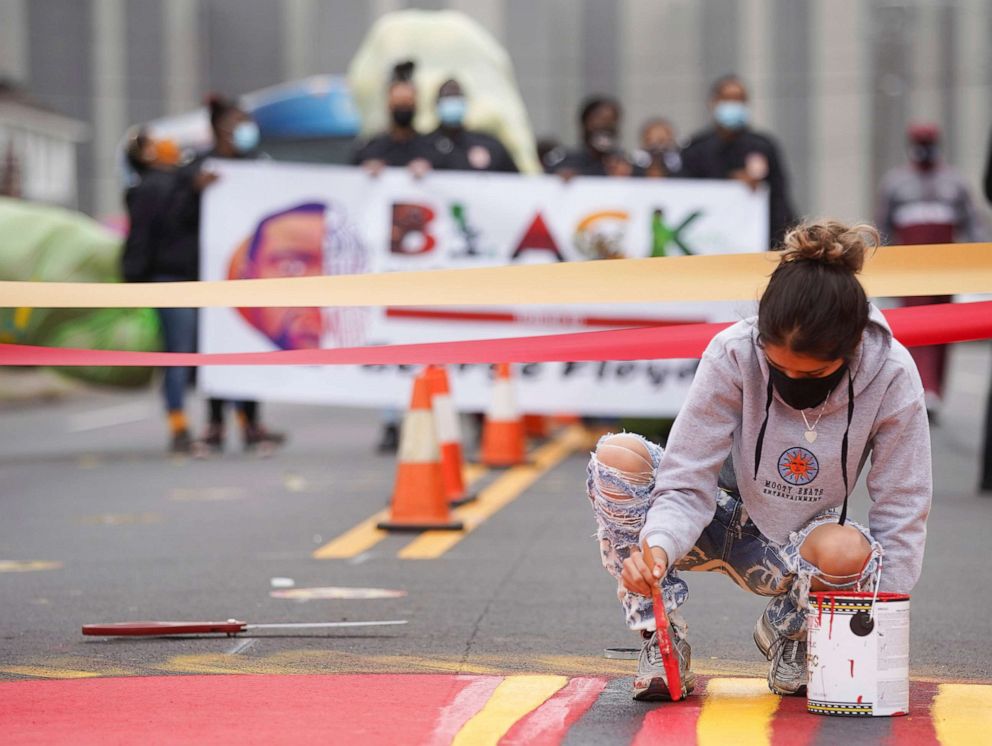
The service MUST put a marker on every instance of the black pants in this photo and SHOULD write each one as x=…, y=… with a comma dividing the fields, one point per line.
x=248, y=408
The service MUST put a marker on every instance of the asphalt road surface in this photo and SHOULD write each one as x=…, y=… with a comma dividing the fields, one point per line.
x=507, y=622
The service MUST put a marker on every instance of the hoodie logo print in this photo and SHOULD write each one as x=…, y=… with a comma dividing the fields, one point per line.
x=798, y=466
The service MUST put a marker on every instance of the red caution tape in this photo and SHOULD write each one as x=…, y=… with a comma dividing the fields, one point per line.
x=913, y=326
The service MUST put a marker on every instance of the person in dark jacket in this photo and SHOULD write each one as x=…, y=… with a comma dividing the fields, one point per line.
x=454, y=148
x=730, y=149
x=400, y=144
x=600, y=153
x=926, y=201
x=986, y=483
x=146, y=259
x=235, y=136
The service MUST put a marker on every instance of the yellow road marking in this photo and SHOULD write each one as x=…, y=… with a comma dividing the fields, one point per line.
x=366, y=535
x=737, y=711
x=514, y=697
x=962, y=713
x=51, y=673
x=28, y=565
x=360, y=539
x=506, y=489
x=66, y=667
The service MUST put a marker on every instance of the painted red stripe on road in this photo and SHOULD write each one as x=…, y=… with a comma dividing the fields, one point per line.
x=916, y=729
x=793, y=725
x=463, y=708
x=369, y=709
x=549, y=724
x=673, y=723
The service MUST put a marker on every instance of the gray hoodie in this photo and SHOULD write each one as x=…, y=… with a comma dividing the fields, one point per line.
x=796, y=480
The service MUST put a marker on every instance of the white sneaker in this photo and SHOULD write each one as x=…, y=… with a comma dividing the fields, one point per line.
x=787, y=674
x=651, y=682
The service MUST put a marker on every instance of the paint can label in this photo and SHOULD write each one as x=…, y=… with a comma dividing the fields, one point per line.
x=858, y=662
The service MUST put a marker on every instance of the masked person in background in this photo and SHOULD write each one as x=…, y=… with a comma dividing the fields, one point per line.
x=659, y=155
x=401, y=144
x=235, y=136
x=146, y=258
x=985, y=485
x=730, y=149
x=454, y=148
x=600, y=153
x=925, y=202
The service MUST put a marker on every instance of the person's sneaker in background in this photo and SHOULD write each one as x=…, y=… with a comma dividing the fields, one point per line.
x=390, y=440
x=181, y=443
x=261, y=440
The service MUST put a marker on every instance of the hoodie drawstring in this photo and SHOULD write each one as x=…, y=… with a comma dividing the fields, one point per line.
x=761, y=433
x=843, y=444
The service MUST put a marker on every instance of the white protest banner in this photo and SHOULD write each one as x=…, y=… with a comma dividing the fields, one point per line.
x=267, y=219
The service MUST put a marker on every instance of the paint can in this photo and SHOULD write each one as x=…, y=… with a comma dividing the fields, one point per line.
x=858, y=654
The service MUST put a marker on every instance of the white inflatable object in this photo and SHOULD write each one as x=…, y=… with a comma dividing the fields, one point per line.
x=443, y=44
x=858, y=654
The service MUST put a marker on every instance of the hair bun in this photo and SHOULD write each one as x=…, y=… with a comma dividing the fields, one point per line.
x=830, y=242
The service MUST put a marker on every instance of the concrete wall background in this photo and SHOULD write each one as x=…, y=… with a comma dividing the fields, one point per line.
x=834, y=80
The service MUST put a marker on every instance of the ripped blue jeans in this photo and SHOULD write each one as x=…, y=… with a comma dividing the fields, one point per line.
x=730, y=544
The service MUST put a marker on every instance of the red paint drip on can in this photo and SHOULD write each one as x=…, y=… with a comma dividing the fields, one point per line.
x=830, y=629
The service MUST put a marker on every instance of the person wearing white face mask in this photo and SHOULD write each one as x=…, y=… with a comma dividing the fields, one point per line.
x=455, y=148
x=237, y=136
x=730, y=149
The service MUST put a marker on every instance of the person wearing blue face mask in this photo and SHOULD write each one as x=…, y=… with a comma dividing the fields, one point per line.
x=730, y=149
x=455, y=148
x=237, y=136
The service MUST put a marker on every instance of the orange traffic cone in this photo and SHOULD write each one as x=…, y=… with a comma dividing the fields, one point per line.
x=419, y=501
x=536, y=426
x=449, y=435
x=503, y=432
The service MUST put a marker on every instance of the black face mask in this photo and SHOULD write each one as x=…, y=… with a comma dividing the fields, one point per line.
x=803, y=393
x=403, y=117
x=924, y=155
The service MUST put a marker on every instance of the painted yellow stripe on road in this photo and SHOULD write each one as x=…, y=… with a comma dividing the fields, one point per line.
x=962, y=714
x=506, y=489
x=737, y=711
x=514, y=697
x=366, y=535
x=360, y=539
x=51, y=673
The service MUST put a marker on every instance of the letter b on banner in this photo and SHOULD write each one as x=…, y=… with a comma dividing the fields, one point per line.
x=410, y=230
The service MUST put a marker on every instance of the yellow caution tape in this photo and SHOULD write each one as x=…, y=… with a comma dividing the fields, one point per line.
x=937, y=269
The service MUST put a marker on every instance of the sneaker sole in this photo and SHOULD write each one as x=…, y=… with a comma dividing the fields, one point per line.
x=800, y=692
x=656, y=689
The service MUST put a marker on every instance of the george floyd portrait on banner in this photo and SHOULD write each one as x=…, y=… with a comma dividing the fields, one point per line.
x=304, y=240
